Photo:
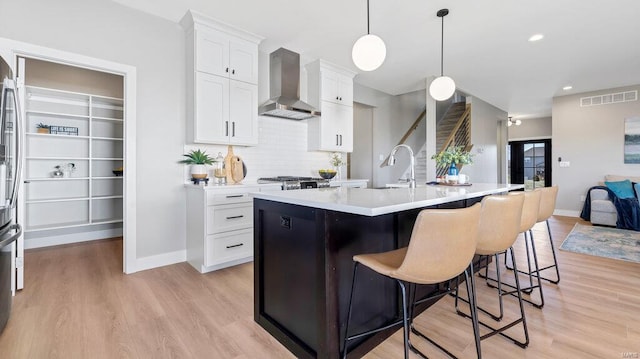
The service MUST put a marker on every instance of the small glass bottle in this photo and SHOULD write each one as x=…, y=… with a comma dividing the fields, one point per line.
x=219, y=171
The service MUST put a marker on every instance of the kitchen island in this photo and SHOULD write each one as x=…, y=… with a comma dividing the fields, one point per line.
x=304, y=242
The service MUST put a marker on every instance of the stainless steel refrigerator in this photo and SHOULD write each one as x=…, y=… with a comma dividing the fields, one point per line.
x=10, y=168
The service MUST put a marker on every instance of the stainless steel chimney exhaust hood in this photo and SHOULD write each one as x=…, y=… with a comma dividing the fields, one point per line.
x=284, y=88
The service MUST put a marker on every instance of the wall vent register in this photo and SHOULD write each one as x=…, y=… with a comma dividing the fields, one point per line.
x=618, y=97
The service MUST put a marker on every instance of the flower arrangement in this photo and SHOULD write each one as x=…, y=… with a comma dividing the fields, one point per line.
x=453, y=154
x=336, y=159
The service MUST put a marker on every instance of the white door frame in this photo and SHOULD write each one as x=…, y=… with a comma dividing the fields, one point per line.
x=11, y=50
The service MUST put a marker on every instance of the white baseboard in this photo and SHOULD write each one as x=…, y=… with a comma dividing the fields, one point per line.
x=71, y=238
x=566, y=212
x=160, y=260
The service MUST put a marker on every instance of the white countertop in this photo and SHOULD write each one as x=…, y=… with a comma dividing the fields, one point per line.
x=375, y=202
x=244, y=186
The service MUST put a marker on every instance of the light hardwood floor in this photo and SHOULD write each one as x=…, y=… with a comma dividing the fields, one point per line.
x=78, y=304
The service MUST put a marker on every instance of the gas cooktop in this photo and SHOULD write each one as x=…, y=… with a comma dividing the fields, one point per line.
x=296, y=182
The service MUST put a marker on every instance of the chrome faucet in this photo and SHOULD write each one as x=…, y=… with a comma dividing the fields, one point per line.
x=392, y=161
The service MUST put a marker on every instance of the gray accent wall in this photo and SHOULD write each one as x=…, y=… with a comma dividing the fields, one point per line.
x=592, y=140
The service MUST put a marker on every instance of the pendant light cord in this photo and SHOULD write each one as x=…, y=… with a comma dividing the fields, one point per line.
x=441, y=48
x=368, y=18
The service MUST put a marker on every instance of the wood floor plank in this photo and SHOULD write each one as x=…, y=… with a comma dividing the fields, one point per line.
x=77, y=303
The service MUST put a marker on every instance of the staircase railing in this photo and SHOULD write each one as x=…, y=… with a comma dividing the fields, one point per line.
x=459, y=136
x=410, y=131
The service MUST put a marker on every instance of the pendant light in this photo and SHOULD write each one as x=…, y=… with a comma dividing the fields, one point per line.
x=442, y=87
x=369, y=51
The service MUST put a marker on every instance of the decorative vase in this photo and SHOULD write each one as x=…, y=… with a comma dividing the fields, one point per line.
x=453, y=170
x=452, y=175
x=338, y=175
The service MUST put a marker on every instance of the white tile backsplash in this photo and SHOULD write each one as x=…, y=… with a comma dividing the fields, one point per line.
x=281, y=151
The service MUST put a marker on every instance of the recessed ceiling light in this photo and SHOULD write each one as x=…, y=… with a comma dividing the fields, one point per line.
x=567, y=88
x=536, y=37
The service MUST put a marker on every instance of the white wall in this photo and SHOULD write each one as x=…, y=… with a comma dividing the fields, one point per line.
x=106, y=30
x=485, y=118
x=531, y=129
x=392, y=116
x=156, y=47
x=592, y=140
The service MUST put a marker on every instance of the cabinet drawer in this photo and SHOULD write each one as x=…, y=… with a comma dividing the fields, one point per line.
x=228, y=197
x=229, y=246
x=229, y=217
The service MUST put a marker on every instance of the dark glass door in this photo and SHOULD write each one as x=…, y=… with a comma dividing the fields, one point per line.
x=530, y=163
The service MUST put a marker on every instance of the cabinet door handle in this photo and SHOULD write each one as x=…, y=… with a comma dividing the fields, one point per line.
x=235, y=217
x=340, y=98
x=340, y=140
x=226, y=70
x=233, y=72
x=337, y=98
x=235, y=196
x=337, y=140
x=226, y=128
x=233, y=129
x=235, y=245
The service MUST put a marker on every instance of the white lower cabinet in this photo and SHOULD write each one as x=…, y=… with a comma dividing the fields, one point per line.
x=228, y=247
x=220, y=225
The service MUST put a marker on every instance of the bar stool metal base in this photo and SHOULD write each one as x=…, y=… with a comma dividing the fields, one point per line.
x=554, y=265
x=531, y=273
x=408, y=312
x=500, y=330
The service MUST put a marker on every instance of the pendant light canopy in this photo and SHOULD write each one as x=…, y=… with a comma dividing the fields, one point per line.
x=369, y=51
x=442, y=87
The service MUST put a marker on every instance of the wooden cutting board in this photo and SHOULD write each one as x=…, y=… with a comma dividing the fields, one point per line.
x=237, y=169
x=227, y=164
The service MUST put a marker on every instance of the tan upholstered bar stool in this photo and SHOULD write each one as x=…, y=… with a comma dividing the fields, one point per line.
x=442, y=245
x=499, y=227
x=530, y=210
x=547, y=206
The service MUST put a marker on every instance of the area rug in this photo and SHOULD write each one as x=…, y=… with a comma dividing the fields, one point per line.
x=604, y=242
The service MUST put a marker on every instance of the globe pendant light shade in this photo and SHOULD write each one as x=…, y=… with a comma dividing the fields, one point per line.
x=442, y=88
x=369, y=52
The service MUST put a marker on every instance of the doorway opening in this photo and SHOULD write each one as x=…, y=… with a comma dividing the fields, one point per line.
x=530, y=163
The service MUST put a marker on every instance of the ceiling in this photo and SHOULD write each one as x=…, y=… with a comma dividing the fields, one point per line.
x=586, y=44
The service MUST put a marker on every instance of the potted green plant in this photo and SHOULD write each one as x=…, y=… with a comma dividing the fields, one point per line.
x=337, y=162
x=198, y=160
x=453, y=157
x=42, y=128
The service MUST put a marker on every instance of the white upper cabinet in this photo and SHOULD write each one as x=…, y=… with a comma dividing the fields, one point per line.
x=219, y=53
x=336, y=87
x=243, y=61
x=243, y=114
x=211, y=109
x=330, y=89
x=334, y=131
x=222, y=78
